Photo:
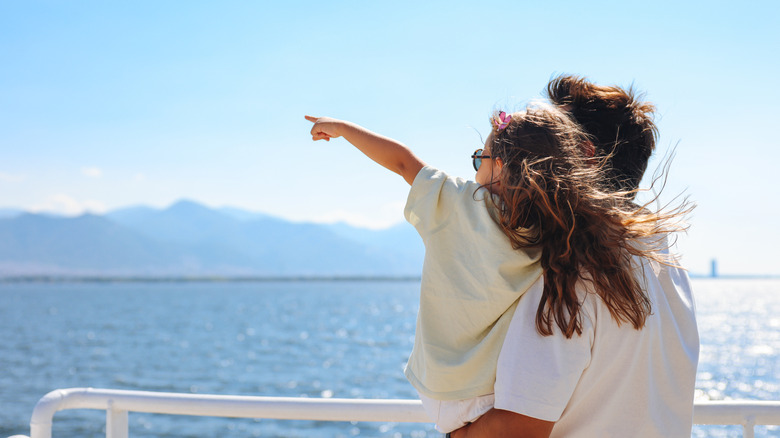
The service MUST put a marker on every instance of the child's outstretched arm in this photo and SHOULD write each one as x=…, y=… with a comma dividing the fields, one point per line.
x=389, y=153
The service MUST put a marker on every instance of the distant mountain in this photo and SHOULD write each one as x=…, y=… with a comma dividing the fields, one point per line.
x=9, y=212
x=184, y=221
x=86, y=244
x=242, y=215
x=130, y=214
x=188, y=238
x=401, y=238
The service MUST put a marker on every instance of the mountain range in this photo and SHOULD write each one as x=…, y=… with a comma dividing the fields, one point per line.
x=190, y=239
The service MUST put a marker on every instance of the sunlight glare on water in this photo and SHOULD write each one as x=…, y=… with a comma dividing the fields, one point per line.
x=296, y=339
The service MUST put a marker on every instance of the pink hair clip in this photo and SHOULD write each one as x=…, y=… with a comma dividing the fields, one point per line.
x=501, y=121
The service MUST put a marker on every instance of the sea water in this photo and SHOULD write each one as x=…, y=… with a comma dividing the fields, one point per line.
x=347, y=339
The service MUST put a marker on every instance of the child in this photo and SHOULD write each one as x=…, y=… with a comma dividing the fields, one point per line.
x=536, y=202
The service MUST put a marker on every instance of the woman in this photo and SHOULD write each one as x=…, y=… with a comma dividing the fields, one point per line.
x=611, y=378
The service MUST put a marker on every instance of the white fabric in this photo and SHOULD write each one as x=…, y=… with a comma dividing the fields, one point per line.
x=471, y=281
x=450, y=415
x=613, y=381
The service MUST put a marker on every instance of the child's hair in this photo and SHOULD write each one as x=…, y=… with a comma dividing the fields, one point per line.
x=618, y=121
x=554, y=198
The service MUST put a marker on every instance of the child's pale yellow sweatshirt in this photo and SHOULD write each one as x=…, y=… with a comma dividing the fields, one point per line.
x=471, y=282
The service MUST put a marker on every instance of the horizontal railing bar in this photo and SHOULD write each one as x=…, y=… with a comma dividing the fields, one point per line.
x=736, y=412
x=283, y=408
x=323, y=409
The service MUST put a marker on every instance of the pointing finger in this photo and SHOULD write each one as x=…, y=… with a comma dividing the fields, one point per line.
x=320, y=136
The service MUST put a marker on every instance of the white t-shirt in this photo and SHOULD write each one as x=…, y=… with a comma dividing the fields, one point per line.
x=613, y=381
x=471, y=281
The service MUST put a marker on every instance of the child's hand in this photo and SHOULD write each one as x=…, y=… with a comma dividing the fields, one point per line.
x=389, y=153
x=325, y=128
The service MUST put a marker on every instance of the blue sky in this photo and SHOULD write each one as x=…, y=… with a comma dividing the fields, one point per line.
x=111, y=104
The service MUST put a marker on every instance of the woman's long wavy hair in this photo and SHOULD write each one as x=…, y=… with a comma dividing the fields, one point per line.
x=556, y=198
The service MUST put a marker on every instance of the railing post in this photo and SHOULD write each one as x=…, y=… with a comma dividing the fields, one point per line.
x=749, y=428
x=116, y=422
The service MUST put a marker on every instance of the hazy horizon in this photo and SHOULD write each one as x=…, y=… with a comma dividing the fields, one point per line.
x=107, y=105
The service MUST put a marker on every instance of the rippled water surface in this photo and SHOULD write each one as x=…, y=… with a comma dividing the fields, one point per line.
x=300, y=339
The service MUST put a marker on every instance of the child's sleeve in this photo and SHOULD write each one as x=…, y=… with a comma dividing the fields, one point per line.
x=434, y=198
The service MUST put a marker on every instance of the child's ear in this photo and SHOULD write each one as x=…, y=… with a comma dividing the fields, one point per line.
x=499, y=163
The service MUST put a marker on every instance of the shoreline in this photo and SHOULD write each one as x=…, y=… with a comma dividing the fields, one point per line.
x=202, y=279
x=11, y=279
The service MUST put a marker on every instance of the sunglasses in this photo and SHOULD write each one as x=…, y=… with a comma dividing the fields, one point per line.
x=477, y=157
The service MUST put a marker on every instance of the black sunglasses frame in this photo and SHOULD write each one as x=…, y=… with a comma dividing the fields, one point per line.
x=477, y=155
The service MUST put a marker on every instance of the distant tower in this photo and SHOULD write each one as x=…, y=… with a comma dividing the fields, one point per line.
x=714, y=268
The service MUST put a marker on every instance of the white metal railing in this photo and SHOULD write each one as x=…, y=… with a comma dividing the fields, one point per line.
x=117, y=404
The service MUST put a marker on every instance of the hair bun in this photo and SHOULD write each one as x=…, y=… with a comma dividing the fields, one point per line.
x=619, y=121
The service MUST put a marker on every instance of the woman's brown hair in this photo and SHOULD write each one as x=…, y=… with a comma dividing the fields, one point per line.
x=619, y=122
x=555, y=198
